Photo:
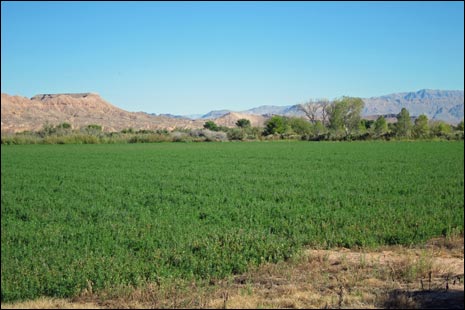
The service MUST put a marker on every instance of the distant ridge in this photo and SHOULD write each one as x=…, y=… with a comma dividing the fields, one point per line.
x=82, y=109
x=73, y=95
x=269, y=109
x=215, y=114
x=445, y=105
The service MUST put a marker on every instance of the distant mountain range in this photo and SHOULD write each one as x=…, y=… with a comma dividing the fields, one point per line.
x=445, y=105
x=21, y=113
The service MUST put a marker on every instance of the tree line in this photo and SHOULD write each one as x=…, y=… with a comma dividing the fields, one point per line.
x=341, y=120
x=338, y=120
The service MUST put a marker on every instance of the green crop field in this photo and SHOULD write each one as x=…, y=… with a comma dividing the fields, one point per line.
x=126, y=214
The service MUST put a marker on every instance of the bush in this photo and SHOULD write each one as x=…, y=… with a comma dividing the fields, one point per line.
x=47, y=129
x=149, y=138
x=211, y=126
x=253, y=133
x=20, y=139
x=243, y=123
x=177, y=136
x=236, y=134
x=127, y=130
x=94, y=127
x=73, y=139
x=64, y=126
x=214, y=135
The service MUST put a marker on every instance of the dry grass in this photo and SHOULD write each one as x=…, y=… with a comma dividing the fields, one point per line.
x=50, y=303
x=391, y=277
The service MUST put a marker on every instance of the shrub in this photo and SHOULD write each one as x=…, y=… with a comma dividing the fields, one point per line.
x=94, y=127
x=236, y=134
x=177, y=136
x=214, y=135
x=243, y=123
x=64, y=126
x=211, y=126
x=127, y=130
x=149, y=138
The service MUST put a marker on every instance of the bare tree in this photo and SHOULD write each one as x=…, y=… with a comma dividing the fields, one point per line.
x=310, y=109
x=325, y=107
x=315, y=109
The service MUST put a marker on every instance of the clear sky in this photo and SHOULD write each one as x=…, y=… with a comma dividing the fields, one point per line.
x=193, y=57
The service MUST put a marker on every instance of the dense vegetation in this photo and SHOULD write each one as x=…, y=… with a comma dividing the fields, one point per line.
x=75, y=216
x=338, y=120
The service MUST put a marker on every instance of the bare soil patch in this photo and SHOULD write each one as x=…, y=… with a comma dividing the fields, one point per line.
x=428, y=276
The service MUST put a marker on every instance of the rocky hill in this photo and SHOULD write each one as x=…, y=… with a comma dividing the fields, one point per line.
x=215, y=114
x=230, y=119
x=21, y=113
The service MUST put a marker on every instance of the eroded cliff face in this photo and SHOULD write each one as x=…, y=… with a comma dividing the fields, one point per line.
x=81, y=109
x=72, y=95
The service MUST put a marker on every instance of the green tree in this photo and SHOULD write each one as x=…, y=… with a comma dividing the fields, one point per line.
x=460, y=126
x=318, y=129
x=366, y=124
x=211, y=125
x=276, y=124
x=299, y=125
x=440, y=129
x=421, y=128
x=459, y=130
x=243, y=123
x=381, y=126
x=344, y=115
x=392, y=127
x=404, y=124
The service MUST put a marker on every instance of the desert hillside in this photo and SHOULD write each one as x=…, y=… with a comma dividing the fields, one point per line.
x=230, y=119
x=21, y=113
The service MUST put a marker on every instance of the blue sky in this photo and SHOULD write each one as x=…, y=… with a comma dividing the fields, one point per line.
x=193, y=57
